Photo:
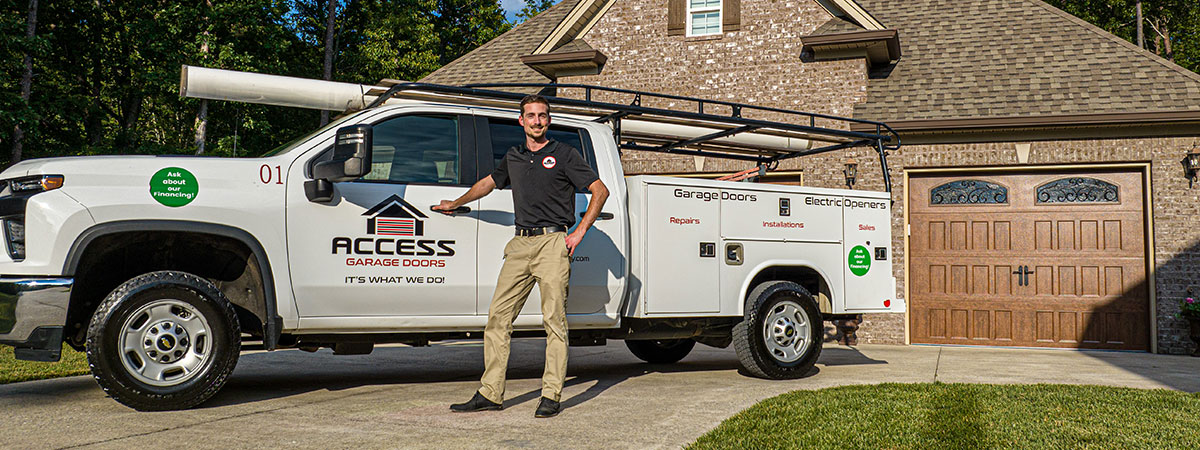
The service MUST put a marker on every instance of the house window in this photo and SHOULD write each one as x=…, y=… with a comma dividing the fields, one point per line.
x=704, y=17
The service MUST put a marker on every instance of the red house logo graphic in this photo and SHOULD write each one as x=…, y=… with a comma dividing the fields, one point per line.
x=395, y=217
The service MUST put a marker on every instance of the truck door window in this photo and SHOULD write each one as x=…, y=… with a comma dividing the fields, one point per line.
x=421, y=149
x=506, y=134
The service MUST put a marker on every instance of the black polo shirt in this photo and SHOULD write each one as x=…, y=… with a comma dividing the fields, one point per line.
x=544, y=183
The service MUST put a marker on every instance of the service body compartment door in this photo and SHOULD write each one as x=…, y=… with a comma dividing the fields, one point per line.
x=867, y=254
x=780, y=228
x=680, y=220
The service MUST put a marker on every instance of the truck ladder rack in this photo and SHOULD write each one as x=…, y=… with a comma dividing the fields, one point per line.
x=714, y=128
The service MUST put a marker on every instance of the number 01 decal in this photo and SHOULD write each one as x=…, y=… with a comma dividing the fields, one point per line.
x=267, y=173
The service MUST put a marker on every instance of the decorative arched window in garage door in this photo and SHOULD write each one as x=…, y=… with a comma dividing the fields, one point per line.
x=968, y=192
x=1078, y=190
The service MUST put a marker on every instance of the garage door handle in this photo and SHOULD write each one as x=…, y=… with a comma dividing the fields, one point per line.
x=602, y=216
x=1022, y=274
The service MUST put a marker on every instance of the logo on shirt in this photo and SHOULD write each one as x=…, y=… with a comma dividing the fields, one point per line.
x=549, y=162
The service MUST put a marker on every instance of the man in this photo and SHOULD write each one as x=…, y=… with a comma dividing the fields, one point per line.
x=544, y=175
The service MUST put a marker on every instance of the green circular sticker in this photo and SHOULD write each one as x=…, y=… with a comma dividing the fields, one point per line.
x=859, y=260
x=174, y=187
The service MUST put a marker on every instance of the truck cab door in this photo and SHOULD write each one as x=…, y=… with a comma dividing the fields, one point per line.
x=598, y=267
x=377, y=249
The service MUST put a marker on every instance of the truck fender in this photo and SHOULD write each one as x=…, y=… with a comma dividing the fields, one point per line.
x=834, y=291
x=272, y=323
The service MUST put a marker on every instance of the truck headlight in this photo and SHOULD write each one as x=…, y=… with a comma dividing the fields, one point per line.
x=37, y=183
x=14, y=234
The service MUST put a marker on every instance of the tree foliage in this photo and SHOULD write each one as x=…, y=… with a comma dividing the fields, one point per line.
x=106, y=72
x=533, y=8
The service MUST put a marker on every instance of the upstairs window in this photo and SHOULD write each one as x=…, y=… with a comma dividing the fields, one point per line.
x=704, y=17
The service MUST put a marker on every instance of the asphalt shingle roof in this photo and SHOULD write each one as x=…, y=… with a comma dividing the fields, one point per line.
x=1010, y=58
x=499, y=60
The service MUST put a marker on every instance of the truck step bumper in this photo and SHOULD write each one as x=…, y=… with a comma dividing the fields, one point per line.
x=33, y=312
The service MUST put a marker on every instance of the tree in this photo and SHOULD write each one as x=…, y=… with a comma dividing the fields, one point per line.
x=113, y=66
x=331, y=5
x=1174, y=25
x=533, y=8
x=463, y=25
x=387, y=39
x=202, y=112
x=26, y=79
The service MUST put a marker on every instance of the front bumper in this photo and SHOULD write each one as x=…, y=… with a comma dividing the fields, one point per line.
x=33, y=312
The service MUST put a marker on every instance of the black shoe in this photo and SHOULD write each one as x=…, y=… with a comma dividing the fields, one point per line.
x=477, y=403
x=547, y=408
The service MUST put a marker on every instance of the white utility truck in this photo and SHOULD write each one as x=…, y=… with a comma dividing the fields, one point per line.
x=161, y=268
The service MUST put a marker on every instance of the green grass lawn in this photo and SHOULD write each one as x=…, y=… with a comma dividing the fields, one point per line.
x=13, y=370
x=965, y=416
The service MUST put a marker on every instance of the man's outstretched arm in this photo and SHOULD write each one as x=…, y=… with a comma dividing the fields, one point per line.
x=481, y=188
x=599, y=196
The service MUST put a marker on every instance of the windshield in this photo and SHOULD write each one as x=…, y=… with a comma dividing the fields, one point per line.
x=294, y=142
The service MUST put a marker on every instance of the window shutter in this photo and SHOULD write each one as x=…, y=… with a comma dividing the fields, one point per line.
x=731, y=15
x=676, y=17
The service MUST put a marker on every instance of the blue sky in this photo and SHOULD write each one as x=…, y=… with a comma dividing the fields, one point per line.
x=511, y=8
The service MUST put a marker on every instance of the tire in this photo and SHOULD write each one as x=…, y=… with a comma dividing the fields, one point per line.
x=182, y=337
x=780, y=337
x=662, y=351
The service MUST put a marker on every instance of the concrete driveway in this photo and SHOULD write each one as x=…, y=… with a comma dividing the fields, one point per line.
x=398, y=397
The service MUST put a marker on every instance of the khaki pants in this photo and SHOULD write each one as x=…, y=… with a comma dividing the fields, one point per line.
x=528, y=259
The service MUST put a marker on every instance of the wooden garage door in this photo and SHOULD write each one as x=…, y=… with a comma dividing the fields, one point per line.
x=1031, y=259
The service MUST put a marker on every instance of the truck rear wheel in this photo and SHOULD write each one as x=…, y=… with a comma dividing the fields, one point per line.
x=661, y=351
x=163, y=341
x=780, y=337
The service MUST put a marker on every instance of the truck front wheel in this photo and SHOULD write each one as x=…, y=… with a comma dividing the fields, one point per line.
x=163, y=341
x=780, y=337
x=661, y=351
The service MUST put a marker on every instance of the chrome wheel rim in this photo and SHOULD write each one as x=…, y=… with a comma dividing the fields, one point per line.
x=787, y=331
x=165, y=343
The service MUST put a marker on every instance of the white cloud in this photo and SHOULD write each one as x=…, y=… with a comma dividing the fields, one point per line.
x=511, y=8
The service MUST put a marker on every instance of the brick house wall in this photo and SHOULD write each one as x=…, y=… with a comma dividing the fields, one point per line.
x=764, y=54
x=760, y=64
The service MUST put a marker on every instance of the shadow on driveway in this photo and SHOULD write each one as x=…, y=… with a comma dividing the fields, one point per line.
x=265, y=376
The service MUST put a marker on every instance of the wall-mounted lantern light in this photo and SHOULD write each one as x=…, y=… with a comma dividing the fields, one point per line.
x=1191, y=165
x=851, y=172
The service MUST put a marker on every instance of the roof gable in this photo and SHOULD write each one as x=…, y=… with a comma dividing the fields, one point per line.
x=577, y=23
x=851, y=12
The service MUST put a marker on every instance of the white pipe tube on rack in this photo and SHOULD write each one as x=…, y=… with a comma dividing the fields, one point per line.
x=236, y=86
x=232, y=85
x=631, y=127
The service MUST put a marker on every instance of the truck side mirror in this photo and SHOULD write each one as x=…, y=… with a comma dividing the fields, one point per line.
x=351, y=160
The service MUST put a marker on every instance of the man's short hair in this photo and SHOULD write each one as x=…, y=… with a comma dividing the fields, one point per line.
x=534, y=98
